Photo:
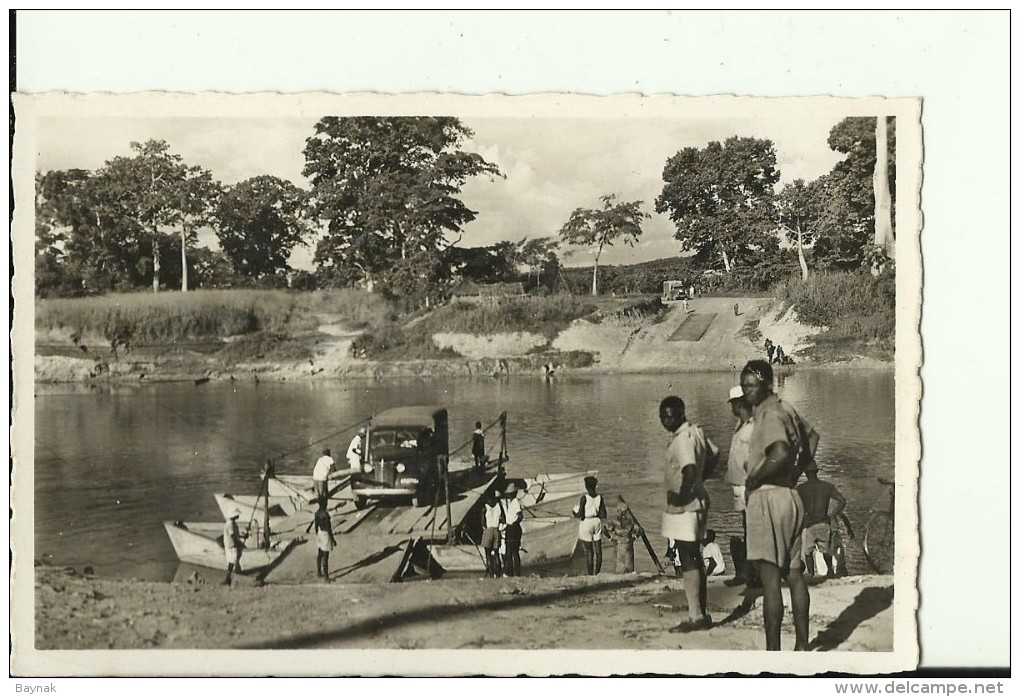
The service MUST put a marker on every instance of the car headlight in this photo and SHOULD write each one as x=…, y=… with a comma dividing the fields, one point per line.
x=400, y=467
x=368, y=467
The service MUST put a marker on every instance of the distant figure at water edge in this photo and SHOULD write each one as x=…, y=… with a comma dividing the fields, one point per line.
x=549, y=370
x=355, y=449
x=775, y=512
x=624, y=529
x=320, y=473
x=591, y=509
x=711, y=555
x=232, y=545
x=780, y=355
x=736, y=477
x=819, y=523
x=478, y=446
x=690, y=291
x=687, y=304
x=770, y=348
x=324, y=539
x=688, y=454
x=493, y=521
x=736, y=309
x=512, y=531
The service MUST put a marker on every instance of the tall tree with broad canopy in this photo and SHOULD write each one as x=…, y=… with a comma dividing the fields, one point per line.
x=388, y=187
x=260, y=221
x=599, y=228
x=154, y=190
x=720, y=198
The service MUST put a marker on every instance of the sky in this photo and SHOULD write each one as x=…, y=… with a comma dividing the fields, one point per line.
x=551, y=165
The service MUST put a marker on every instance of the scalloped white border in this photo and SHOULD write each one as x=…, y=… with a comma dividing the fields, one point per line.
x=30, y=108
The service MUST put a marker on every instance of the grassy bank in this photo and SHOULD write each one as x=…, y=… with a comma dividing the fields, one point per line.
x=143, y=318
x=408, y=340
x=857, y=309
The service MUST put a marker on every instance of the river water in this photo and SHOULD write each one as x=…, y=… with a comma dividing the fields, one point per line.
x=112, y=463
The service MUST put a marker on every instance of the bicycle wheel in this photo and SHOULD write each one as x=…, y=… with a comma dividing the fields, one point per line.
x=879, y=542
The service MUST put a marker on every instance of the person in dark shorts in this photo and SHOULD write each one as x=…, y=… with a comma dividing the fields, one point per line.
x=478, y=445
x=324, y=539
x=493, y=520
x=819, y=523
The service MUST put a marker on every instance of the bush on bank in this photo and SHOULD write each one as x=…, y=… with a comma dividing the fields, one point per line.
x=855, y=307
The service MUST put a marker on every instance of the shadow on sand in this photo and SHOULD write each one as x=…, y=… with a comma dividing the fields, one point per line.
x=868, y=603
x=374, y=625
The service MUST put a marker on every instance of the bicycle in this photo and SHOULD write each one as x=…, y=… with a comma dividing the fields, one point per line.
x=880, y=534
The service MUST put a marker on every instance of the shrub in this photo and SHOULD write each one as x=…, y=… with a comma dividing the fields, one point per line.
x=852, y=305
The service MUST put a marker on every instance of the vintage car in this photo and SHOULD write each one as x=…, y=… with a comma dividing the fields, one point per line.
x=406, y=450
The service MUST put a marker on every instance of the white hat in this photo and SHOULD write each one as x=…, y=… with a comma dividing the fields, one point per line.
x=235, y=512
x=736, y=393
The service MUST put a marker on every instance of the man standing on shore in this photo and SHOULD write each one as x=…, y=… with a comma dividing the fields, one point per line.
x=232, y=545
x=775, y=512
x=736, y=476
x=683, y=521
x=818, y=522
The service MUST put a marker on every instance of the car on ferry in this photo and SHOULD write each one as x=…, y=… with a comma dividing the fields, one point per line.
x=405, y=452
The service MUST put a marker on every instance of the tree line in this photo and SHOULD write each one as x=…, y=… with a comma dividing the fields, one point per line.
x=384, y=211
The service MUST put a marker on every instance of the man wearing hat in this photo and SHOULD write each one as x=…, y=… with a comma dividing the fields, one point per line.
x=512, y=532
x=819, y=522
x=736, y=475
x=232, y=545
x=355, y=449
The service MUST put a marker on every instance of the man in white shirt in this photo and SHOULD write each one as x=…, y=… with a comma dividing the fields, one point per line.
x=687, y=455
x=711, y=553
x=355, y=449
x=320, y=473
x=736, y=473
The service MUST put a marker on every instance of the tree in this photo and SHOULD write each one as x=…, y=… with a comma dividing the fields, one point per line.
x=533, y=255
x=883, y=198
x=799, y=209
x=855, y=137
x=388, y=187
x=153, y=191
x=721, y=198
x=600, y=228
x=260, y=221
x=198, y=194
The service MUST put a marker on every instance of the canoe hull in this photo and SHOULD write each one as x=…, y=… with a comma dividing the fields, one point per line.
x=202, y=544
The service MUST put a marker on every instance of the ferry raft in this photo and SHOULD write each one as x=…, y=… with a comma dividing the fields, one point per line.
x=426, y=526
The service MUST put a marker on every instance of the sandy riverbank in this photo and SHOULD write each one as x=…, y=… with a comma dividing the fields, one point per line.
x=620, y=345
x=631, y=611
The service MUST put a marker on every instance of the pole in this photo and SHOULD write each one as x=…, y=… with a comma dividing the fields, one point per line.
x=502, y=438
x=648, y=545
x=446, y=492
x=267, y=472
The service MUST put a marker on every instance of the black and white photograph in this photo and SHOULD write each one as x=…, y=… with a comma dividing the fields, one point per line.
x=453, y=373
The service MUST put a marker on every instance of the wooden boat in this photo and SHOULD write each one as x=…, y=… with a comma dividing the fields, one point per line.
x=550, y=531
x=255, y=506
x=202, y=544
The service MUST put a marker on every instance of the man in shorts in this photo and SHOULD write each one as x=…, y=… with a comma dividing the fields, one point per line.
x=320, y=473
x=775, y=512
x=591, y=509
x=493, y=523
x=818, y=522
x=683, y=521
x=736, y=472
